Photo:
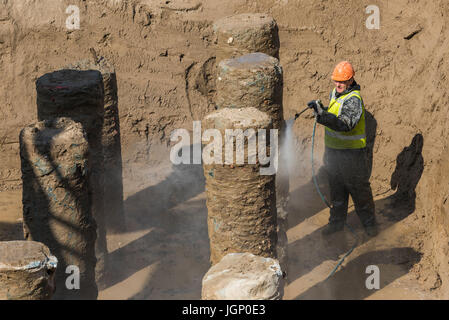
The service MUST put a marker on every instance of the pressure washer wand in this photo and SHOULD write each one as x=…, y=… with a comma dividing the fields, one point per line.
x=300, y=113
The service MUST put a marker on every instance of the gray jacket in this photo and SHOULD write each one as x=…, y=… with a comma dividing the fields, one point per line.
x=351, y=112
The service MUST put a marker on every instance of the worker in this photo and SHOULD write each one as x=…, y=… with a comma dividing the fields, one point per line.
x=346, y=157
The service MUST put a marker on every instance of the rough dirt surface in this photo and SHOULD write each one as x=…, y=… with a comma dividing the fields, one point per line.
x=163, y=55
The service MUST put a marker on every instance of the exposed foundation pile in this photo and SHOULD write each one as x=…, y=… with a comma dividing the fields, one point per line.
x=241, y=202
x=246, y=33
x=256, y=80
x=79, y=95
x=27, y=271
x=56, y=200
x=112, y=151
x=262, y=87
x=250, y=217
x=251, y=80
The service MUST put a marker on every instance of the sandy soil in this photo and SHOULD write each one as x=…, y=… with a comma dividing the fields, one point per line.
x=163, y=53
x=165, y=252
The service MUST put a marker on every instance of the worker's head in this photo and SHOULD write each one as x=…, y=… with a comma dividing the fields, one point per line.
x=343, y=76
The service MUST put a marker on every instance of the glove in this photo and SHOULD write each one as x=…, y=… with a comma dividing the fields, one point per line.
x=317, y=106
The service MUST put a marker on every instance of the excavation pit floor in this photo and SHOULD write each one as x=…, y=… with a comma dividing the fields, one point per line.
x=165, y=252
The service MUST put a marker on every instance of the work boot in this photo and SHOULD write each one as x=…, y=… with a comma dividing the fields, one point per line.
x=372, y=231
x=332, y=228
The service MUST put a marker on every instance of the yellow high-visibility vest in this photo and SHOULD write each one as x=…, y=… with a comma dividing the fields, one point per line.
x=354, y=139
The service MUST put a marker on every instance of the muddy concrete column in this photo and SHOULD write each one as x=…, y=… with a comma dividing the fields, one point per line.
x=79, y=95
x=27, y=271
x=112, y=151
x=56, y=200
x=241, y=197
x=252, y=80
x=246, y=33
x=256, y=80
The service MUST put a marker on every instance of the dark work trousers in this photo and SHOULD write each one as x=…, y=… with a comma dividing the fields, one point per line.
x=349, y=174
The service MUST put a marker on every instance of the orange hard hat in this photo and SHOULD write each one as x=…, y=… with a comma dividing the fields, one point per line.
x=343, y=71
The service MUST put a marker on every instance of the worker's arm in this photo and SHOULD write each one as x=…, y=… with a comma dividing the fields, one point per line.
x=351, y=112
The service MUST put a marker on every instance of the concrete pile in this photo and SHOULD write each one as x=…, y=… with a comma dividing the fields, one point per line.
x=112, y=151
x=241, y=202
x=79, y=95
x=56, y=201
x=245, y=33
x=27, y=271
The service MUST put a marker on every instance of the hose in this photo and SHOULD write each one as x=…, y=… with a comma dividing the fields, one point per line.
x=323, y=198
